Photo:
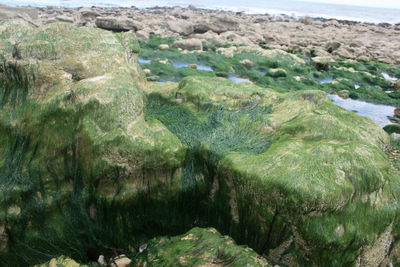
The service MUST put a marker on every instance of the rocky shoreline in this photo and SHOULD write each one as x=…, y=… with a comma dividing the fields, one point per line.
x=321, y=37
x=208, y=143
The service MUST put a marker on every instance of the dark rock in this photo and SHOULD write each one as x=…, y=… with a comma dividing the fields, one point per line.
x=332, y=46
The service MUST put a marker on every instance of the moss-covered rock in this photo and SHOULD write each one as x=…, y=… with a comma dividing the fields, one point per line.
x=198, y=247
x=61, y=262
x=72, y=126
x=323, y=187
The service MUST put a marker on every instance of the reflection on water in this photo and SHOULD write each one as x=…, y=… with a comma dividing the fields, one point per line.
x=167, y=79
x=326, y=80
x=204, y=67
x=143, y=61
x=236, y=79
x=178, y=65
x=378, y=113
x=388, y=77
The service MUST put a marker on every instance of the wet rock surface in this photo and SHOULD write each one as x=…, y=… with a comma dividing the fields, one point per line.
x=97, y=161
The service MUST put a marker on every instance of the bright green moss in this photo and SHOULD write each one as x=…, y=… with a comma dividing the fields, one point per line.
x=293, y=176
x=74, y=135
x=198, y=247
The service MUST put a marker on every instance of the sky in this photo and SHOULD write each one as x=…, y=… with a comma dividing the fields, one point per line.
x=371, y=3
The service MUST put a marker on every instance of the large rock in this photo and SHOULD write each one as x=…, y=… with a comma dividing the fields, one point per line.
x=332, y=46
x=321, y=63
x=188, y=44
x=72, y=103
x=117, y=24
x=317, y=181
x=218, y=24
x=89, y=13
x=234, y=38
x=209, y=38
x=181, y=27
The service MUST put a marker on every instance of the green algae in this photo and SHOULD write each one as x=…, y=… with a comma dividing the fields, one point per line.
x=60, y=262
x=72, y=136
x=198, y=247
x=363, y=80
x=291, y=175
x=317, y=208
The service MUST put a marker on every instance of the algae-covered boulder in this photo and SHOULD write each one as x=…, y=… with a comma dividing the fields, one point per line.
x=61, y=262
x=198, y=247
x=321, y=63
x=72, y=129
x=319, y=189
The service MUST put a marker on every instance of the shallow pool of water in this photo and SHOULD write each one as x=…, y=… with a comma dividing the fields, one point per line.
x=326, y=80
x=236, y=79
x=378, y=113
x=388, y=77
x=168, y=79
x=204, y=67
x=178, y=65
x=143, y=61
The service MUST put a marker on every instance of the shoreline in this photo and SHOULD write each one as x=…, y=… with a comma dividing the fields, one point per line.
x=351, y=39
x=248, y=10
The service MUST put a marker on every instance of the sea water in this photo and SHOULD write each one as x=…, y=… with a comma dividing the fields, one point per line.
x=378, y=113
x=288, y=7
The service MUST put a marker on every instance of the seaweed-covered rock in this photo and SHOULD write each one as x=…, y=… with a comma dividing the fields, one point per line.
x=322, y=186
x=392, y=128
x=198, y=247
x=61, y=262
x=321, y=63
x=71, y=122
x=344, y=94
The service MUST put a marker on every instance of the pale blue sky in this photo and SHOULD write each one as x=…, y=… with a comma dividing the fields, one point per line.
x=371, y=3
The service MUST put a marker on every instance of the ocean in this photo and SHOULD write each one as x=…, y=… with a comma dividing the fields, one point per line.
x=288, y=7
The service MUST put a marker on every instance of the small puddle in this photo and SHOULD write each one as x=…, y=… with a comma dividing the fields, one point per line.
x=167, y=79
x=143, y=61
x=326, y=80
x=178, y=65
x=236, y=79
x=378, y=113
x=204, y=67
x=388, y=77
